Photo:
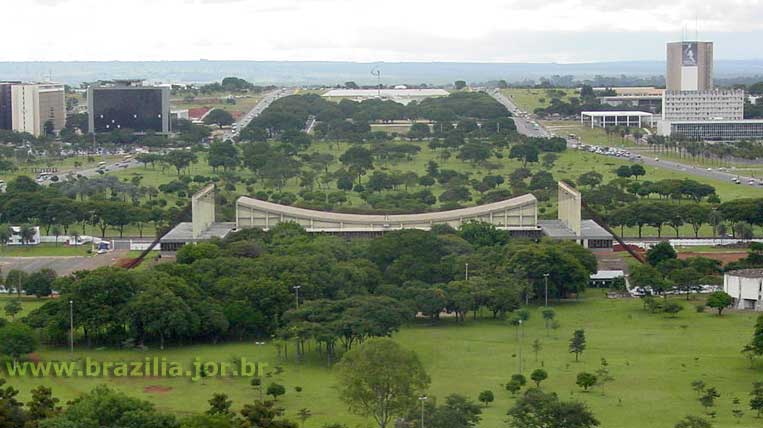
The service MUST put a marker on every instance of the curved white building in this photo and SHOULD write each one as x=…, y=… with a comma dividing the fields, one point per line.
x=515, y=214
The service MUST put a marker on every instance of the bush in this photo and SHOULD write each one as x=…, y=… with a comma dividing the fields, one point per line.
x=700, y=308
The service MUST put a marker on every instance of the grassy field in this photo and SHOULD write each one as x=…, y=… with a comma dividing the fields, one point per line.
x=243, y=104
x=652, y=358
x=570, y=165
x=531, y=99
x=43, y=250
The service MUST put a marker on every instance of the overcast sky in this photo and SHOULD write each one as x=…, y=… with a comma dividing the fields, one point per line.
x=383, y=30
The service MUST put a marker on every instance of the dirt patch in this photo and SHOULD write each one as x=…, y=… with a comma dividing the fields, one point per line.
x=157, y=389
x=125, y=263
x=722, y=257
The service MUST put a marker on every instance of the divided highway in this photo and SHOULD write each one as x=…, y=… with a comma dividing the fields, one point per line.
x=530, y=128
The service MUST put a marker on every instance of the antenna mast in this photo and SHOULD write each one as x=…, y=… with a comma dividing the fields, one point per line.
x=376, y=72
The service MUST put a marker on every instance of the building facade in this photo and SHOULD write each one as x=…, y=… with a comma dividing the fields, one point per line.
x=35, y=104
x=745, y=287
x=689, y=66
x=127, y=104
x=713, y=130
x=6, y=115
x=703, y=105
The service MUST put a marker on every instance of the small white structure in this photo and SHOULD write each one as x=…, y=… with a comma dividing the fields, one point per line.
x=745, y=286
x=605, y=278
x=402, y=96
x=16, y=236
x=603, y=119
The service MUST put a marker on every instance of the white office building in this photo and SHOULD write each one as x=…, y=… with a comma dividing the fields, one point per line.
x=745, y=286
x=35, y=104
x=703, y=105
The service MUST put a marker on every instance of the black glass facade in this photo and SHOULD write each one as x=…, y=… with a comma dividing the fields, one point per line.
x=5, y=106
x=137, y=109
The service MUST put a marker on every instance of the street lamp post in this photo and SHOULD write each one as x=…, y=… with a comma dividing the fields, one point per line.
x=467, y=271
x=296, y=289
x=520, y=347
x=545, y=276
x=422, y=399
x=71, y=327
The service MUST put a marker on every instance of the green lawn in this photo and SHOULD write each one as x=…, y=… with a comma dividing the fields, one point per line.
x=28, y=304
x=652, y=358
x=531, y=99
x=43, y=250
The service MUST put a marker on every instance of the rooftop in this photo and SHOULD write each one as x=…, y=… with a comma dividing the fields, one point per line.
x=615, y=113
x=183, y=232
x=747, y=273
x=589, y=229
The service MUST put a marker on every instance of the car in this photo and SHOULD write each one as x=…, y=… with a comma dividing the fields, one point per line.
x=657, y=159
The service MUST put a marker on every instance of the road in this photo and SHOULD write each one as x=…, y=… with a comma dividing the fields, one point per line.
x=256, y=111
x=92, y=172
x=525, y=126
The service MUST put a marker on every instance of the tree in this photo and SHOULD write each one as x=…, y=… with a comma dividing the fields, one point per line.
x=524, y=152
x=12, y=308
x=180, y=159
x=537, y=409
x=223, y=154
x=219, y=404
x=590, y=179
x=586, y=380
x=303, y=415
x=218, y=117
x=693, y=422
x=42, y=406
x=537, y=347
x=17, y=339
x=756, y=398
x=276, y=390
x=104, y=407
x=672, y=308
x=538, y=376
x=513, y=387
x=577, y=343
x=708, y=397
x=548, y=317
x=358, y=159
x=40, y=283
x=459, y=84
x=381, y=379
x=486, y=397
x=56, y=231
x=660, y=252
x=719, y=300
x=457, y=412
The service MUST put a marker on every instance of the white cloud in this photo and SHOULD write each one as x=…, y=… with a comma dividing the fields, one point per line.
x=364, y=30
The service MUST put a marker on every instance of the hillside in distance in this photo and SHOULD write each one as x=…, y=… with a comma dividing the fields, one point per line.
x=331, y=73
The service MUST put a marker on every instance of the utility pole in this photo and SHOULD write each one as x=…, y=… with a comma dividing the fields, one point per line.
x=71, y=327
x=545, y=276
x=296, y=289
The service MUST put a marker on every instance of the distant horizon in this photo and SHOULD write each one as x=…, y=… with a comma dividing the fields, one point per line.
x=330, y=73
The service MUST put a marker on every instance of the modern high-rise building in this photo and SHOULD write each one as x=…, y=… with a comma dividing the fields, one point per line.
x=127, y=104
x=33, y=105
x=690, y=66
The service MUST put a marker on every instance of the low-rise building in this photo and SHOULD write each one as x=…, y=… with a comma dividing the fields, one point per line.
x=712, y=130
x=745, y=286
x=604, y=119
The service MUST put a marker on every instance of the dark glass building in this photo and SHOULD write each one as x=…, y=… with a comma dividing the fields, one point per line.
x=128, y=105
x=6, y=115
